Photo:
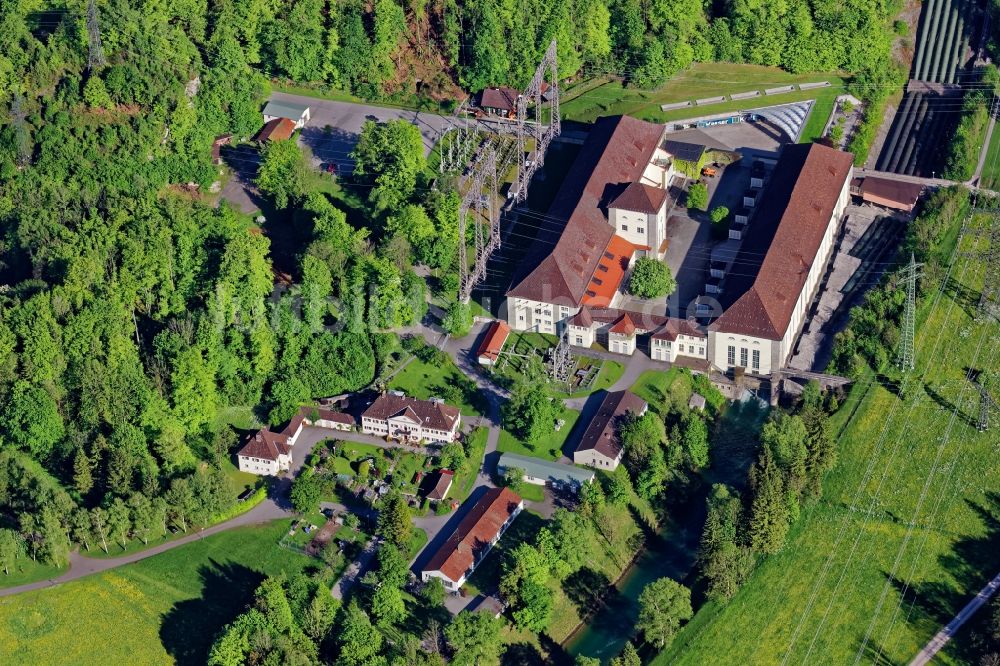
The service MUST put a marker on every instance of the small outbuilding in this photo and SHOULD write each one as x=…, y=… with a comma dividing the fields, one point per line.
x=500, y=101
x=441, y=485
x=278, y=129
x=697, y=401
x=493, y=342
x=893, y=194
x=299, y=114
x=545, y=473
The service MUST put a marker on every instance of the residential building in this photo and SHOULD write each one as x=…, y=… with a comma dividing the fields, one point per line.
x=473, y=538
x=441, y=485
x=493, y=342
x=500, y=101
x=397, y=416
x=265, y=453
x=781, y=260
x=299, y=114
x=544, y=472
x=600, y=446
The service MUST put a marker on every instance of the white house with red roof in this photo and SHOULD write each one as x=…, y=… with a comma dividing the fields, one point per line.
x=267, y=452
x=398, y=416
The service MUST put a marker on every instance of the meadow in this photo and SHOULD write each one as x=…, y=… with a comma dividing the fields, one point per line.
x=908, y=524
x=165, y=609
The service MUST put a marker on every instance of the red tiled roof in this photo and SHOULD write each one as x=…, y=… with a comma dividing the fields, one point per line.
x=665, y=328
x=265, y=444
x=442, y=485
x=278, y=129
x=474, y=533
x=787, y=231
x=624, y=326
x=494, y=340
x=428, y=413
x=330, y=415
x=609, y=273
x=601, y=434
x=499, y=98
x=640, y=198
x=582, y=318
x=570, y=245
x=893, y=192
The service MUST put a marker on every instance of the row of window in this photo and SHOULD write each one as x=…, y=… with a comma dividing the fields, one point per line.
x=638, y=230
x=731, y=357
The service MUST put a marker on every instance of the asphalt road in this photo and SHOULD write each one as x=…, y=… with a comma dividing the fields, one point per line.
x=942, y=637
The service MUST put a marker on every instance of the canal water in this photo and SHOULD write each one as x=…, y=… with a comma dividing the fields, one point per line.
x=672, y=551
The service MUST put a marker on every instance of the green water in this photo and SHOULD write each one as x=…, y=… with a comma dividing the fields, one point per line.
x=673, y=550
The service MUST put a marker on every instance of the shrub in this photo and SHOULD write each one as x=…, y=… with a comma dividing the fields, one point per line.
x=698, y=196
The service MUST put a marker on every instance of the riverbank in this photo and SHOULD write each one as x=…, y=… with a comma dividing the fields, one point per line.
x=671, y=551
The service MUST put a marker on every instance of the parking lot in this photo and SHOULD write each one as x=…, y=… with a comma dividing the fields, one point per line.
x=333, y=129
x=751, y=138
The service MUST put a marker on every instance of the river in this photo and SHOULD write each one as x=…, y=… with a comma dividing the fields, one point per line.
x=673, y=550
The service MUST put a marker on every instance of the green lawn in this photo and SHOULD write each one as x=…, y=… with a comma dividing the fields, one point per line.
x=990, y=177
x=28, y=571
x=699, y=81
x=531, y=492
x=408, y=464
x=164, y=609
x=549, y=447
x=465, y=478
x=907, y=527
x=417, y=541
x=349, y=454
x=423, y=381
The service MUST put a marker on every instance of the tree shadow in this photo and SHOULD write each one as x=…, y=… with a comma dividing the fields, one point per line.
x=948, y=406
x=928, y=606
x=522, y=654
x=189, y=627
x=587, y=588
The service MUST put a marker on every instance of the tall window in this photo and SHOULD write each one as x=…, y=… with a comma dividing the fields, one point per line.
x=731, y=356
x=743, y=356
x=756, y=359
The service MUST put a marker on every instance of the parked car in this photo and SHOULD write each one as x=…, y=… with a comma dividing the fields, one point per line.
x=711, y=172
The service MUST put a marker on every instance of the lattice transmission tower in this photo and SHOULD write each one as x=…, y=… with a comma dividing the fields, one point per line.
x=17, y=117
x=989, y=297
x=543, y=133
x=95, y=58
x=908, y=334
x=478, y=206
x=986, y=404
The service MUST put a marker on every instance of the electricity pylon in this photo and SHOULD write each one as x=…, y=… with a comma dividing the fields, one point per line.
x=908, y=334
x=95, y=58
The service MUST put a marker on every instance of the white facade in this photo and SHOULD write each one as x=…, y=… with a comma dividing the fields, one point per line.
x=527, y=315
x=762, y=356
x=404, y=427
x=263, y=466
x=596, y=459
x=646, y=229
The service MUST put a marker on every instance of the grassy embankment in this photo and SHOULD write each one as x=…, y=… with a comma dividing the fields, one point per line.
x=906, y=530
x=161, y=610
x=703, y=80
